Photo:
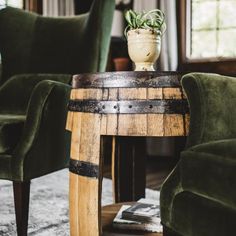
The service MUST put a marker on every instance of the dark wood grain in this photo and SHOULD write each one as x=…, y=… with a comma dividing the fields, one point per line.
x=21, y=198
x=33, y=5
x=129, y=168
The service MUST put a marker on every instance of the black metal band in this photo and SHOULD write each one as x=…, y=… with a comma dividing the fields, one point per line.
x=168, y=106
x=84, y=168
x=127, y=80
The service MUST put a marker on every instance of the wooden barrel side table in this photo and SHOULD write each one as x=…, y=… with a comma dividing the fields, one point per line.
x=143, y=104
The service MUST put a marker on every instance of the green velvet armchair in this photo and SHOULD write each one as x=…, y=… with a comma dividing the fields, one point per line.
x=39, y=55
x=199, y=196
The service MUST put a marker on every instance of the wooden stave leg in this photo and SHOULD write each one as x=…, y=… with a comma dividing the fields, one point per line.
x=21, y=192
x=85, y=191
x=128, y=168
x=73, y=204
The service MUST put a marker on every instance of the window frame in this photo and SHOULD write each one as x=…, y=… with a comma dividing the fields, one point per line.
x=215, y=65
x=33, y=5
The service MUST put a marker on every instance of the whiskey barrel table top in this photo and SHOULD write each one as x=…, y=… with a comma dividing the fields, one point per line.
x=125, y=100
x=127, y=106
x=108, y=214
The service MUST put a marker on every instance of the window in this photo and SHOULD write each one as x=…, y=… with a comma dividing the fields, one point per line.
x=13, y=3
x=207, y=35
x=213, y=29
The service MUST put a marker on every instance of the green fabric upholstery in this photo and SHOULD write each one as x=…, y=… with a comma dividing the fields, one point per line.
x=193, y=214
x=15, y=93
x=40, y=151
x=212, y=100
x=39, y=56
x=5, y=166
x=209, y=174
x=0, y=72
x=67, y=45
x=11, y=127
x=199, y=198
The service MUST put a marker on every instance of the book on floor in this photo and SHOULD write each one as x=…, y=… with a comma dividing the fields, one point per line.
x=143, y=215
x=143, y=212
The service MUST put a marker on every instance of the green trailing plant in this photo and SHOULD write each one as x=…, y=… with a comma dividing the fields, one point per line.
x=153, y=20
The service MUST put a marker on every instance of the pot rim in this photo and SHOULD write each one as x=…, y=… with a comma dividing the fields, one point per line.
x=144, y=31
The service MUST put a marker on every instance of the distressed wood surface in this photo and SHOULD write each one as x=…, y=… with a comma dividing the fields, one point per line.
x=136, y=124
x=87, y=129
x=85, y=203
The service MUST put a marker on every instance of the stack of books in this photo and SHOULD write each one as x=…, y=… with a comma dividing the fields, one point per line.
x=143, y=215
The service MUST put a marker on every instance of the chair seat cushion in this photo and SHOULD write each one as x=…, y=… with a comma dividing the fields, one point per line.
x=11, y=127
x=209, y=169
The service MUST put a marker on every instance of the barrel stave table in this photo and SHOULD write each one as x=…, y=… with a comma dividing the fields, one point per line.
x=131, y=104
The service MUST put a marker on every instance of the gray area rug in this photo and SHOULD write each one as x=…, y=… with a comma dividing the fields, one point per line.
x=48, y=213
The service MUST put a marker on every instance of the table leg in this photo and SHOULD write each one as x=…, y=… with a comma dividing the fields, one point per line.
x=128, y=168
x=85, y=176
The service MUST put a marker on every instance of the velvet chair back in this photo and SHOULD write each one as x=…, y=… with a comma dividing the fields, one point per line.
x=50, y=45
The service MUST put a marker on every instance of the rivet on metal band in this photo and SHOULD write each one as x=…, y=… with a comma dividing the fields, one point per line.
x=167, y=106
x=84, y=168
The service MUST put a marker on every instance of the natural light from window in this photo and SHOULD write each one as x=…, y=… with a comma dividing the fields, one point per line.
x=213, y=29
x=13, y=3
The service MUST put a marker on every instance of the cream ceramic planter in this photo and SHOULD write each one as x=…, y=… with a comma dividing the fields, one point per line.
x=144, y=48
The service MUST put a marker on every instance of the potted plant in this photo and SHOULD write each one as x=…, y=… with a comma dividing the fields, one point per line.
x=143, y=33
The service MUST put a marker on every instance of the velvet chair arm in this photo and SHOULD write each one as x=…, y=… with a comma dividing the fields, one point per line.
x=42, y=148
x=15, y=93
x=212, y=100
x=0, y=71
x=170, y=188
